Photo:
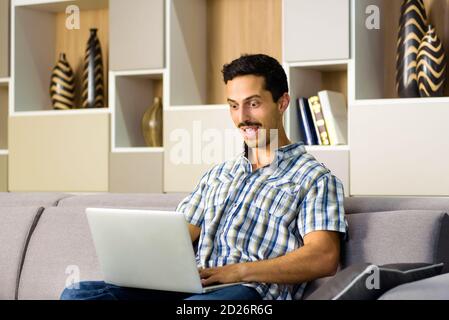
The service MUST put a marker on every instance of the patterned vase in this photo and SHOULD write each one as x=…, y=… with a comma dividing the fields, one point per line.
x=93, y=92
x=152, y=124
x=431, y=65
x=412, y=28
x=62, y=85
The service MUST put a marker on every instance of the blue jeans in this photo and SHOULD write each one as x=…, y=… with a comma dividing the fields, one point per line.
x=99, y=290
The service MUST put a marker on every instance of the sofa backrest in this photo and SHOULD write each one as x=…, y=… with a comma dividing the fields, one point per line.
x=16, y=225
x=61, y=252
x=31, y=199
x=405, y=236
x=155, y=201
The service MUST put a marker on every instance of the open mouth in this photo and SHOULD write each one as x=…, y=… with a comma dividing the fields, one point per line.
x=250, y=133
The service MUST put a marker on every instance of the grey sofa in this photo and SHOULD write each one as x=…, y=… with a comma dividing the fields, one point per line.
x=45, y=240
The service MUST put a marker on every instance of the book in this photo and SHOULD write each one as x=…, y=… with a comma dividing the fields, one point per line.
x=318, y=119
x=306, y=124
x=334, y=108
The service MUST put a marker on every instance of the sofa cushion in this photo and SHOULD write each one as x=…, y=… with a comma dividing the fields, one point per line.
x=60, y=252
x=156, y=201
x=368, y=282
x=435, y=288
x=30, y=199
x=15, y=226
x=397, y=237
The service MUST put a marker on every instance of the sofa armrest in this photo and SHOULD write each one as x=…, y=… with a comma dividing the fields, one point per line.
x=435, y=288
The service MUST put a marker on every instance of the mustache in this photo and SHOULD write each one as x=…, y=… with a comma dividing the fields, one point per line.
x=249, y=124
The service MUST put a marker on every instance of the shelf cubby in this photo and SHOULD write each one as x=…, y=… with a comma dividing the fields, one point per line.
x=375, y=50
x=306, y=80
x=39, y=35
x=206, y=34
x=134, y=92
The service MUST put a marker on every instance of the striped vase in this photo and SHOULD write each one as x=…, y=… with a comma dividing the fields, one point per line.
x=62, y=85
x=412, y=28
x=93, y=90
x=431, y=65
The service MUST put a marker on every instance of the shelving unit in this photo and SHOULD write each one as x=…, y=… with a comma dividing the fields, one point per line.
x=176, y=49
x=138, y=74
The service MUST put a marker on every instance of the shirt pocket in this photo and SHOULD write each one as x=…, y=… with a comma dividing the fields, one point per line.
x=278, y=198
x=218, y=190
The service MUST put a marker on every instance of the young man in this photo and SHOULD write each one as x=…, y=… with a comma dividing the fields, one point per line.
x=272, y=217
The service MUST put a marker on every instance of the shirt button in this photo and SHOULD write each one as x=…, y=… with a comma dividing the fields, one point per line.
x=235, y=205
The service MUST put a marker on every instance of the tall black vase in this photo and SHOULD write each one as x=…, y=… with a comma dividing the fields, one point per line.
x=93, y=94
x=431, y=65
x=62, y=85
x=412, y=28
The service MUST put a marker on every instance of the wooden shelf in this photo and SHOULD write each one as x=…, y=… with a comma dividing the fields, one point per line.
x=200, y=34
x=306, y=80
x=375, y=50
x=134, y=93
x=40, y=35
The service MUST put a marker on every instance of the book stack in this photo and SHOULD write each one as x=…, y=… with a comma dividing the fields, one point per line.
x=323, y=119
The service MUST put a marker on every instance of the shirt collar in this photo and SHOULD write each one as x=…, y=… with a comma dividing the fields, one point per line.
x=282, y=153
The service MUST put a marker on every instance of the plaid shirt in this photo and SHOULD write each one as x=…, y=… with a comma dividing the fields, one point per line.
x=250, y=216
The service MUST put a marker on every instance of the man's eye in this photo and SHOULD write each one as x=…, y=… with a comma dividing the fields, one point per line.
x=233, y=106
x=254, y=104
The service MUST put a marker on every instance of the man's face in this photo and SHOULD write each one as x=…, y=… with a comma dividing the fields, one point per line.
x=253, y=110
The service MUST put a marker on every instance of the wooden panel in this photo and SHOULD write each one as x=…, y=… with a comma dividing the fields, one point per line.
x=3, y=117
x=338, y=162
x=316, y=30
x=137, y=34
x=59, y=153
x=3, y=173
x=195, y=141
x=136, y=172
x=74, y=43
x=400, y=149
x=236, y=27
x=4, y=38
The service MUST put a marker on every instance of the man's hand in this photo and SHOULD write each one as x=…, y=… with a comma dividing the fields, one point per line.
x=228, y=274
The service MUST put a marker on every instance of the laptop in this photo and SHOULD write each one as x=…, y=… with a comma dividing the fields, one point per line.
x=146, y=249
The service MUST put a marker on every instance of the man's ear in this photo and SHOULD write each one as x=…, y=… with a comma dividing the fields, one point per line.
x=284, y=102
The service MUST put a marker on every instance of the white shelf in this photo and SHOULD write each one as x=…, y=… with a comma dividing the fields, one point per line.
x=73, y=112
x=207, y=107
x=146, y=74
x=55, y=6
x=321, y=65
x=327, y=148
x=399, y=101
x=138, y=150
x=4, y=82
x=4, y=152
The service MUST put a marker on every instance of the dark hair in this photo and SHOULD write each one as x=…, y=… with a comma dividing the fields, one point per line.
x=259, y=65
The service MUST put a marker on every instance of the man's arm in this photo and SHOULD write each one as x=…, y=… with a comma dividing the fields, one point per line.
x=319, y=257
x=194, y=232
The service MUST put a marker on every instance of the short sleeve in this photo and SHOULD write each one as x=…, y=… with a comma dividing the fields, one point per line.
x=322, y=208
x=193, y=205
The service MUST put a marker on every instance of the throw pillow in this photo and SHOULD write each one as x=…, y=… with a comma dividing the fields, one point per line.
x=368, y=281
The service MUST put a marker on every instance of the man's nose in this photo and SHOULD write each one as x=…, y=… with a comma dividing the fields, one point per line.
x=244, y=115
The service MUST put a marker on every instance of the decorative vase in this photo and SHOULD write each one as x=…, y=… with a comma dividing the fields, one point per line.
x=431, y=65
x=412, y=28
x=62, y=85
x=152, y=124
x=93, y=80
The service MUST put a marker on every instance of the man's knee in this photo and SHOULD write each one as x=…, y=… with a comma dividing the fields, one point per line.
x=82, y=290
